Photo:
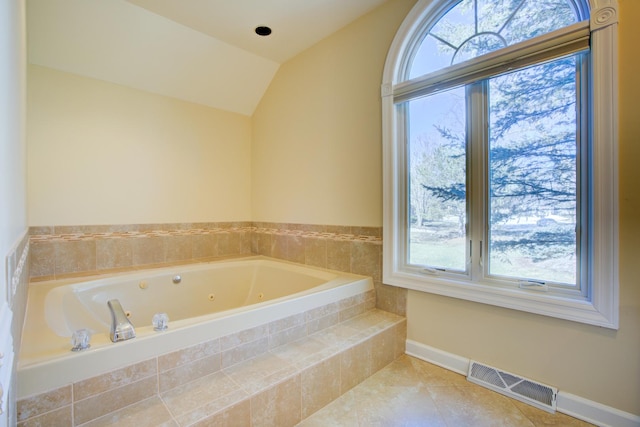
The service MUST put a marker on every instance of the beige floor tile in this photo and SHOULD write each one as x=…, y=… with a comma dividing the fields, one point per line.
x=260, y=372
x=476, y=406
x=340, y=413
x=259, y=384
x=407, y=370
x=60, y=417
x=238, y=415
x=383, y=349
x=355, y=366
x=169, y=361
x=279, y=405
x=243, y=352
x=188, y=372
x=383, y=405
x=197, y=394
x=372, y=320
x=407, y=392
x=114, y=379
x=305, y=352
x=43, y=403
x=320, y=385
x=411, y=392
x=228, y=408
x=339, y=336
x=151, y=412
x=102, y=404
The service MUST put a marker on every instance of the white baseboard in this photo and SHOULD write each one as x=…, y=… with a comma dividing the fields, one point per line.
x=567, y=403
x=594, y=412
x=447, y=360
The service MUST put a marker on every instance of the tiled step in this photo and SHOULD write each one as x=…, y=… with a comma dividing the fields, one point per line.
x=279, y=387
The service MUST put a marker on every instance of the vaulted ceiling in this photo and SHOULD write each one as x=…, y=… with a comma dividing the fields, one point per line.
x=202, y=51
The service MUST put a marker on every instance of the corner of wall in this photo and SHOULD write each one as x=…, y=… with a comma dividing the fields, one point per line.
x=12, y=312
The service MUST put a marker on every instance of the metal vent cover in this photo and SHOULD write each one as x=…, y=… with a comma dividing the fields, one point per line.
x=525, y=390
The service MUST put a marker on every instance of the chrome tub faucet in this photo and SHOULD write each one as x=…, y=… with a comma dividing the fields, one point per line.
x=121, y=327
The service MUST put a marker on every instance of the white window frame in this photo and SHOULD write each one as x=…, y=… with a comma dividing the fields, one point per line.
x=600, y=307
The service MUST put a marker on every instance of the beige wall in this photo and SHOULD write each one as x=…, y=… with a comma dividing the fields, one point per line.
x=100, y=153
x=123, y=43
x=316, y=155
x=316, y=159
x=591, y=362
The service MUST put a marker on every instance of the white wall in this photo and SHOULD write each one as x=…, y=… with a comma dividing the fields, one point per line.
x=100, y=153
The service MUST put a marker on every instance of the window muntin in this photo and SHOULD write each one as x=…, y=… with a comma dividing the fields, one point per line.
x=528, y=153
x=525, y=226
x=472, y=28
x=597, y=302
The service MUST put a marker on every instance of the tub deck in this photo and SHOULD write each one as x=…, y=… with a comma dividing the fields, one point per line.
x=46, y=362
x=281, y=385
x=274, y=364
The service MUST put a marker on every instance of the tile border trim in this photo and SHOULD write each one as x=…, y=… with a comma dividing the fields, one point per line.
x=86, y=233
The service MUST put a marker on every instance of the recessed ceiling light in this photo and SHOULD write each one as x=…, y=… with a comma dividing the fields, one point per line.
x=263, y=31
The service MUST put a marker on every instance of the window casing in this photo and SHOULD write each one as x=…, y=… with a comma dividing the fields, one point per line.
x=593, y=297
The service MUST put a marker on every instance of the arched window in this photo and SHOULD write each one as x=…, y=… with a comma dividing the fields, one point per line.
x=474, y=28
x=500, y=147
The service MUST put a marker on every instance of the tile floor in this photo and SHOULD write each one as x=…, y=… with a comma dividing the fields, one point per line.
x=410, y=392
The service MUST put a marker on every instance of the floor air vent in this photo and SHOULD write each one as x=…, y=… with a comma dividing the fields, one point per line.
x=527, y=391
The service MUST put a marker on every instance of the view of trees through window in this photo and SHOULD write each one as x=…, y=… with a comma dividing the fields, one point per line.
x=526, y=128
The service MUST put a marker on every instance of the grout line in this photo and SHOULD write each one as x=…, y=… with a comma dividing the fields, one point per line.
x=73, y=405
x=297, y=371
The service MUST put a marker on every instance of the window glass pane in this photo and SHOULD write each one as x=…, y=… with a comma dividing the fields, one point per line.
x=476, y=27
x=476, y=46
x=537, y=17
x=437, y=183
x=457, y=25
x=494, y=15
x=533, y=170
x=439, y=56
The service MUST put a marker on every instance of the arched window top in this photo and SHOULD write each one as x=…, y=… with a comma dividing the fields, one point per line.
x=471, y=28
x=487, y=46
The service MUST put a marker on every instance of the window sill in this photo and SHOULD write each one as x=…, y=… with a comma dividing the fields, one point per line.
x=531, y=301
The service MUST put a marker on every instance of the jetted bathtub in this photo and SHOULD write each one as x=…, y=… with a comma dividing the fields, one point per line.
x=207, y=301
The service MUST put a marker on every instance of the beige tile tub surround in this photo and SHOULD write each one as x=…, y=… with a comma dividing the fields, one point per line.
x=156, y=395
x=344, y=248
x=263, y=385
x=64, y=251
